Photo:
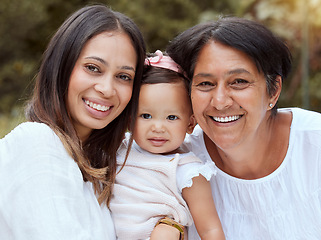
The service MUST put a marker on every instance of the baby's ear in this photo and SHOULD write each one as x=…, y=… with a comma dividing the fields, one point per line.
x=191, y=125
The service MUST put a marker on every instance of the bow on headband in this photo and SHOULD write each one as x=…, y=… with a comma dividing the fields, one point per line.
x=163, y=62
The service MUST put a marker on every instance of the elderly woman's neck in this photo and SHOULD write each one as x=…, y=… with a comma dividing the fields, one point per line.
x=258, y=157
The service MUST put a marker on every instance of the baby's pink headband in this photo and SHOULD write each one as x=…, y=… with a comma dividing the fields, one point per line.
x=163, y=62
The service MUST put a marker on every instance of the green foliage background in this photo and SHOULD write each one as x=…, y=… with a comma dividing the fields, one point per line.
x=27, y=25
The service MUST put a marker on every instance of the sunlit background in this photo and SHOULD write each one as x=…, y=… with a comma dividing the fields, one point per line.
x=27, y=25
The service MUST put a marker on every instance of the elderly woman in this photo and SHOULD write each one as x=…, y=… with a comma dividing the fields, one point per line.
x=268, y=160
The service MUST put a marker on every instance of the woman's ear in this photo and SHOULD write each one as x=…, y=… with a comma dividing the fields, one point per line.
x=276, y=95
x=192, y=124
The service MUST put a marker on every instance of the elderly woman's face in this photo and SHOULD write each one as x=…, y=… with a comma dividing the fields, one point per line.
x=229, y=96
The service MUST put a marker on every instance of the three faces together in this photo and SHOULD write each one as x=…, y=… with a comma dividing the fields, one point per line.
x=88, y=93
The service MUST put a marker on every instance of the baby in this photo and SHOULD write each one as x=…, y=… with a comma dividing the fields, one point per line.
x=160, y=184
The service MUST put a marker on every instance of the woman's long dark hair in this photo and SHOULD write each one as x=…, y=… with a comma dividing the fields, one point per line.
x=96, y=157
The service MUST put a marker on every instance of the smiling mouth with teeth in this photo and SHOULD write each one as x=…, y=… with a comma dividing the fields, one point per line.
x=226, y=119
x=97, y=106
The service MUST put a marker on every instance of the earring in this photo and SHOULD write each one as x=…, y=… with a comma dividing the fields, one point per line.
x=270, y=105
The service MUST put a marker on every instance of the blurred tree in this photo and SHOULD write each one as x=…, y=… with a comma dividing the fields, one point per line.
x=27, y=30
x=298, y=23
x=159, y=20
x=16, y=61
x=27, y=26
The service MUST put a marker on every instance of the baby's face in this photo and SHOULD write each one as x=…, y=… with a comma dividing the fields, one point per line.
x=164, y=117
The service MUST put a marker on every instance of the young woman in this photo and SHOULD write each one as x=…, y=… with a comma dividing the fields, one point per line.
x=57, y=169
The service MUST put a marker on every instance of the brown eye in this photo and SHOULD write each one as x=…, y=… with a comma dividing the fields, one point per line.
x=146, y=116
x=125, y=77
x=241, y=81
x=240, y=84
x=92, y=68
x=172, y=117
x=204, y=86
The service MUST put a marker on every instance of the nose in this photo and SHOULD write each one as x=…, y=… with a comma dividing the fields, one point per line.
x=106, y=86
x=221, y=98
x=158, y=126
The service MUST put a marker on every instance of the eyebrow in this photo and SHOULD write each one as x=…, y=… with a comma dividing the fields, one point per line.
x=234, y=71
x=203, y=75
x=97, y=59
x=105, y=63
x=238, y=71
x=128, y=68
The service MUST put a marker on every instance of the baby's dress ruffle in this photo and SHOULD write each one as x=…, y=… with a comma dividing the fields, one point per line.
x=186, y=173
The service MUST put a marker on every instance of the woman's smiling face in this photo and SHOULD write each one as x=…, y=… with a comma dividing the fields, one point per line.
x=101, y=82
x=229, y=96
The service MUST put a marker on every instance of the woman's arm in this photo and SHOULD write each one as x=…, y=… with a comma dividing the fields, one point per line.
x=201, y=204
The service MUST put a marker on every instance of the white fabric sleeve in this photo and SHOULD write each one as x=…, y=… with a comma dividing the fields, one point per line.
x=186, y=173
x=43, y=195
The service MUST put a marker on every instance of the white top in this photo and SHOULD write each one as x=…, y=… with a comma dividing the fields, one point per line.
x=149, y=187
x=42, y=192
x=285, y=205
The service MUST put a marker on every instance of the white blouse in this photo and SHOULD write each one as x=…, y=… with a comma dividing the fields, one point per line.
x=42, y=192
x=285, y=205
